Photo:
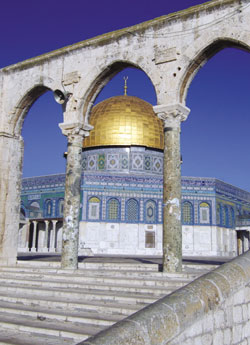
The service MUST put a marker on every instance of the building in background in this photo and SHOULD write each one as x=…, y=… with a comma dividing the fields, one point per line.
x=121, y=199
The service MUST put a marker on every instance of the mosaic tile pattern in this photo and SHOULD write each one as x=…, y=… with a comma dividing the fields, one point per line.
x=137, y=185
x=137, y=161
x=92, y=162
x=147, y=163
x=118, y=159
x=158, y=165
x=84, y=163
x=123, y=209
x=112, y=161
x=101, y=161
x=124, y=161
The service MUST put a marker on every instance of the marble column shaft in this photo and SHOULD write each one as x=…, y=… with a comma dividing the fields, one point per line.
x=45, y=244
x=70, y=237
x=172, y=116
x=33, y=249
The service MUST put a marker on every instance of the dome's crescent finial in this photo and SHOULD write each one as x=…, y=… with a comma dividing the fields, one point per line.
x=125, y=85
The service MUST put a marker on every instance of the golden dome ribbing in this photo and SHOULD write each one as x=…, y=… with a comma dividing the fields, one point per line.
x=125, y=121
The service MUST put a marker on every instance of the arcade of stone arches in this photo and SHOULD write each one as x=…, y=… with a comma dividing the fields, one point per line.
x=169, y=59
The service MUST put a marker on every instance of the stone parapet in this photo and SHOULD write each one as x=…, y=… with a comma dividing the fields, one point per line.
x=213, y=309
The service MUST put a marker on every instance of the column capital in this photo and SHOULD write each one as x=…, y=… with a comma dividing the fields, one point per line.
x=72, y=130
x=172, y=114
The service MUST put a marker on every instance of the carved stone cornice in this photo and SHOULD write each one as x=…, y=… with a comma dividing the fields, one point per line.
x=172, y=115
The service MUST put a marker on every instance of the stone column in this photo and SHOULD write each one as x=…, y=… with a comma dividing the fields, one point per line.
x=54, y=222
x=240, y=243
x=33, y=249
x=246, y=241
x=45, y=243
x=70, y=237
x=11, y=154
x=172, y=115
x=26, y=248
x=52, y=237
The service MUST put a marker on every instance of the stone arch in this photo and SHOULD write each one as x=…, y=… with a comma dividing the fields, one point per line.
x=98, y=83
x=204, y=54
x=25, y=104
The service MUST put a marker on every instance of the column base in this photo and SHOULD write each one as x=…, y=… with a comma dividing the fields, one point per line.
x=23, y=250
x=44, y=250
x=33, y=250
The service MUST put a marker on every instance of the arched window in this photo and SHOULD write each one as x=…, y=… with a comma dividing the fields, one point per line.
x=60, y=207
x=231, y=217
x=132, y=214
x=204, y=213
x=48, y=208
x=113, y=209
x=150, y=212
x=94, y=208
x=187, y=213
x=34, y=210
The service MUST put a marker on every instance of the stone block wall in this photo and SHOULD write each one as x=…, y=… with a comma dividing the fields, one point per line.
x=228, y=324
x=212, y=310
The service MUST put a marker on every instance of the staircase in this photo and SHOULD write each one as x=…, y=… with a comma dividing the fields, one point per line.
x=41, y=304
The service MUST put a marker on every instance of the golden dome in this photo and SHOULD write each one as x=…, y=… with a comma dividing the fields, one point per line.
x=125, y=121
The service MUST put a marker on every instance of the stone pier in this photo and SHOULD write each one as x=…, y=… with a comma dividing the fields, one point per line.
x=11, y=153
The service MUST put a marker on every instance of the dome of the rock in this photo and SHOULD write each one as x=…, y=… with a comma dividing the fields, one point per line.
x=125, y=121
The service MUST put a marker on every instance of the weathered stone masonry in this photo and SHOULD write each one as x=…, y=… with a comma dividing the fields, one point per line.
x=169, y=49
x=214, y=309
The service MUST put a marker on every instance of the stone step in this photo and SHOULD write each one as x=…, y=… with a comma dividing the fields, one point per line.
x=110, y=307
x=18, y=337
x=77, y=331
x=74, y=304
x=60, y=314
x=82, y=293
x=134, y=266
x=143, y=288
x=196, y=268
x=90, y=281
x=99, y=273
x=94, y=265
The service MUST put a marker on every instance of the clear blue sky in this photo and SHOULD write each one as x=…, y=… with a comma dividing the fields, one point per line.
x=215, y=138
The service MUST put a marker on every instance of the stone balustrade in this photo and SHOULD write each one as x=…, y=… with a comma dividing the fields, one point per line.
x=213, y=309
